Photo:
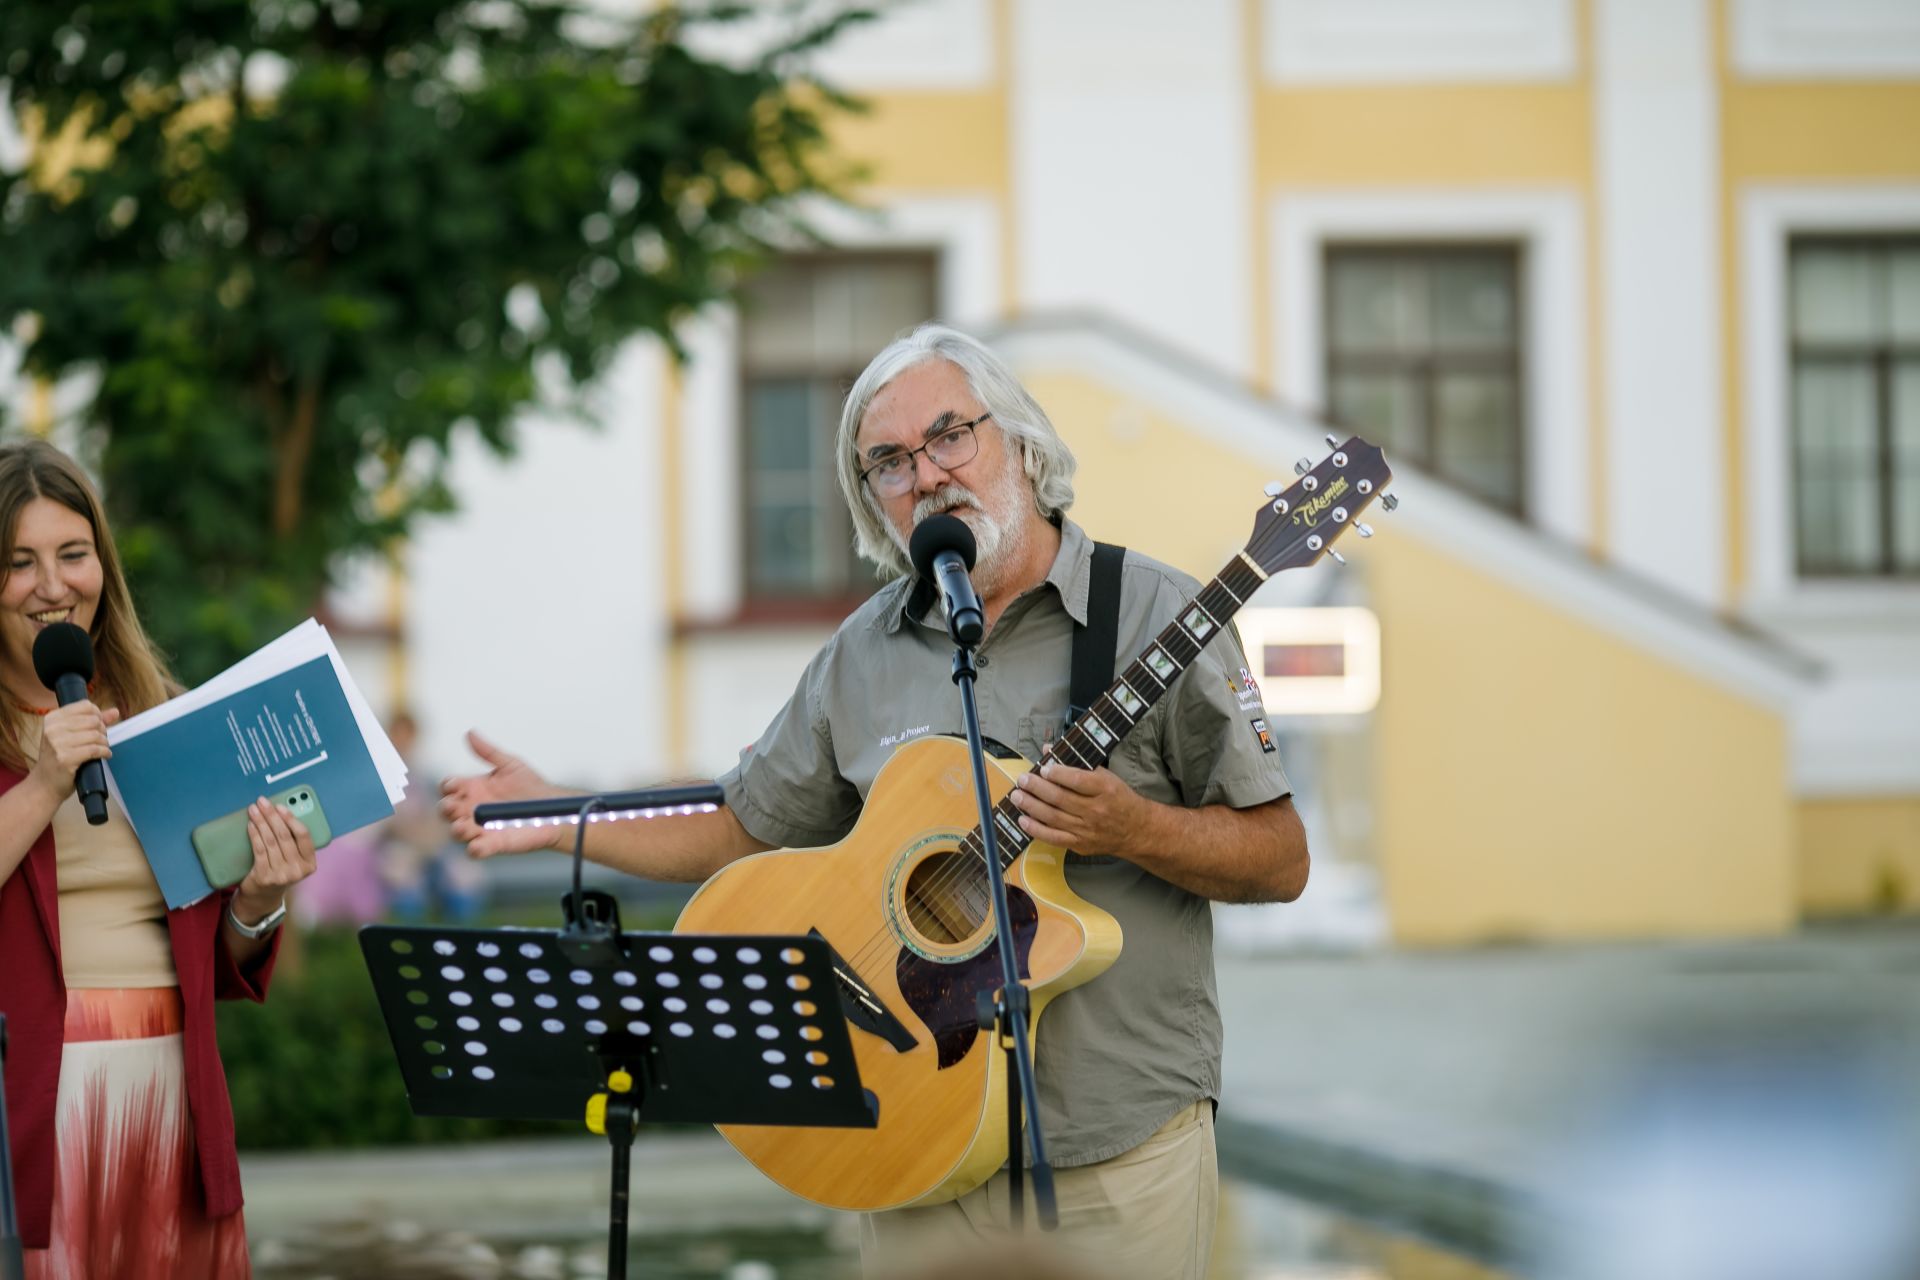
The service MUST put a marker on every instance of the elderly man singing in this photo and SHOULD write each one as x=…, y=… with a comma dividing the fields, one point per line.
x=1193, y=805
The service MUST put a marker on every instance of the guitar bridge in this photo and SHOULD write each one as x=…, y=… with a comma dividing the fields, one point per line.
x=862, y=1007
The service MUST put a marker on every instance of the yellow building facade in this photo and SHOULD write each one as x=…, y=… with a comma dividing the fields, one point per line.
x=1626, y=712
x=1620, y=682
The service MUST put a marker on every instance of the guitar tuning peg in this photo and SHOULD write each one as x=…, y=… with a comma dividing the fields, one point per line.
x=1274, y=488
x=1364, y=530
x=1332, y=440
x=1303, y=466
x=1389, y=501
x=1337, y=557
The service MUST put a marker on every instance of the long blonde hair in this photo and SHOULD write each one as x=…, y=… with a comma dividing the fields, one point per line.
x=129, y=673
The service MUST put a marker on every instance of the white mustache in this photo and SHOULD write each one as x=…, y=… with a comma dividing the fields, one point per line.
x=946, y=498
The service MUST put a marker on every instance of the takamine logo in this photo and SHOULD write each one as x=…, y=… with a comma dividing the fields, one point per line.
x=1309, y=513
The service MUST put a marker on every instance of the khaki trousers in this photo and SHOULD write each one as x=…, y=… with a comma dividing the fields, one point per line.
x=1147, y=1213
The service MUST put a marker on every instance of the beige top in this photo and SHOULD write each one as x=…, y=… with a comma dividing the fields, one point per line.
x=113, y=921
x=1120, y=1055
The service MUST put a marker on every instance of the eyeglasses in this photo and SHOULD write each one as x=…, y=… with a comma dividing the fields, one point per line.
x=955, y=447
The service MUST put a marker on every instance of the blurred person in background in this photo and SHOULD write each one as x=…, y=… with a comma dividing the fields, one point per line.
x=122, y=1133
x=424, y=868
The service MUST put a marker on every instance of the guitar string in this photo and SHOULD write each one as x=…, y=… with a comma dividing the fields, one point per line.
x=968, y=861
x=965, y=877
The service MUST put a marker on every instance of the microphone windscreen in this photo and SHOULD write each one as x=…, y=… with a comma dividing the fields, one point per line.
x=62, y=649
x=936, y=534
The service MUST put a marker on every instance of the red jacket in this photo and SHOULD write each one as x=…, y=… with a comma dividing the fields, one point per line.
x=33, y=996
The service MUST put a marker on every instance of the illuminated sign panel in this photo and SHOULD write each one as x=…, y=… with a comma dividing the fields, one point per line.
x=1314, y=662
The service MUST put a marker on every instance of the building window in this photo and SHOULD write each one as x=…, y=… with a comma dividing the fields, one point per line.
x=1855, y=303
x=1423, y=357
x=809, y=325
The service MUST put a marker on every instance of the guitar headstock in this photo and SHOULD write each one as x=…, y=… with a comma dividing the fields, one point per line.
x=1298, y=524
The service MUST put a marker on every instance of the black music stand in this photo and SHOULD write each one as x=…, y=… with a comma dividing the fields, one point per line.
x=715, y=1029
x=13, y=1265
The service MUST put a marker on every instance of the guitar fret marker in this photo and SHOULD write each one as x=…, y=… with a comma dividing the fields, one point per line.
x=1097, y=731
x=1198, y=621
x=1163, y=667
x=1128, y=700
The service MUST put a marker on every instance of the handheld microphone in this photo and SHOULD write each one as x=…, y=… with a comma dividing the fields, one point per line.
x=63, y=659
x=942, y=550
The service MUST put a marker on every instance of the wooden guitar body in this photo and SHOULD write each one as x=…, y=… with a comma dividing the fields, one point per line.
x=904, y=906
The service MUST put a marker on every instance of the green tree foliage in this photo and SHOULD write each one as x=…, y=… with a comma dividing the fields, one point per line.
x=301, y=244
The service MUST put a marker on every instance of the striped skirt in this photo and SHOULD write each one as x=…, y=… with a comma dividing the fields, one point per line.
x=127, y=1203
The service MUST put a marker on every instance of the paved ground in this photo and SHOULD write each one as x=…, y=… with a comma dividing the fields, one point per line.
x=1450, y=1091
x=1443, y=1092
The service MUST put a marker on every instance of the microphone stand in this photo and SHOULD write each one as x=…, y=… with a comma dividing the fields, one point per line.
x=1008, y=1021
x=13, y=1265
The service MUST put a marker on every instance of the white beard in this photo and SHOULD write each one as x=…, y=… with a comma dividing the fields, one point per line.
x=999, y=534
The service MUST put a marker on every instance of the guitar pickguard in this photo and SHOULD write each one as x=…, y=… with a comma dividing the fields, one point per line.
x=945, y=996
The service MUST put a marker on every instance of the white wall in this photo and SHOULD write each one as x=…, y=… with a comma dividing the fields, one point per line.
x=1131, y=167
x=1657, y=167
x=535, y=613
x=1353, y=41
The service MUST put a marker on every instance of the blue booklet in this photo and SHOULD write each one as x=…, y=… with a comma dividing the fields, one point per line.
x=293, y=729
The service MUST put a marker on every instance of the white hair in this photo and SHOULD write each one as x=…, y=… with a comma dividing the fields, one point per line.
x=1045, y=458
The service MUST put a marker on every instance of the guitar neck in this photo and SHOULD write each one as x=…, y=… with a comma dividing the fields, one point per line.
x=1089, y=742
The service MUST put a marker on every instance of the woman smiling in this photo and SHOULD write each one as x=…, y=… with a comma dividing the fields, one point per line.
x=121, y=1129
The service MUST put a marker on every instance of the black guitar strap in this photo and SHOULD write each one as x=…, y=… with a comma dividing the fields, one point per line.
x=1094, y=644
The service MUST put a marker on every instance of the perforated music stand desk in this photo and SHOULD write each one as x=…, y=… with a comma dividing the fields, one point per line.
x=713, y=1029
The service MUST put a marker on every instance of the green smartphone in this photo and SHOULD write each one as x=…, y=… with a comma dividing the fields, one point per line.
x=226, y=855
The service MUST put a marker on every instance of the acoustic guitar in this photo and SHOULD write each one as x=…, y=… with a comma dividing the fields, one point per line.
x=903, y=900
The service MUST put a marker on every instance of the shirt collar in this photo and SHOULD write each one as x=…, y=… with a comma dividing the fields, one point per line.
x=1070, y=576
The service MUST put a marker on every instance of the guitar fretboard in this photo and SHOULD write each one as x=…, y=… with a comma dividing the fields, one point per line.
x=1089, y=742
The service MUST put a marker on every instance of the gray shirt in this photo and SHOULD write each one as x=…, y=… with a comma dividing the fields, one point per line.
x=1119, y=1056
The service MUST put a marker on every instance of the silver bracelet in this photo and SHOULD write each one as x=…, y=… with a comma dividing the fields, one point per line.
x=266, y=925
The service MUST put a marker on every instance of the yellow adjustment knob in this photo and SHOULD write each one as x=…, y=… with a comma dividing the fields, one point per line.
x=620, y=1082
x=597, y=1114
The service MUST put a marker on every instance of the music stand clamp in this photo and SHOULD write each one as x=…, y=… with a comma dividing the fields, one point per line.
x=707, y=1028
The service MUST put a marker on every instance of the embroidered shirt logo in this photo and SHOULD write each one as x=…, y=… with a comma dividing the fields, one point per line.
x=894, y=739
x=1247, y=692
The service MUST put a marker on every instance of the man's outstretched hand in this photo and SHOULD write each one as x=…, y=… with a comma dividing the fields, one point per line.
x=508, y=778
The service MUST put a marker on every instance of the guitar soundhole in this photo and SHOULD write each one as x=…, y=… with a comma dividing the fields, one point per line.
x=946, y=898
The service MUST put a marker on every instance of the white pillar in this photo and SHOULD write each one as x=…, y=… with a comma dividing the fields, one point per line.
x=1657, y=162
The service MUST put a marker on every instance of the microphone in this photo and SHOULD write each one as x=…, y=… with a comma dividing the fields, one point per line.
x=63, y=659
x=942, y=550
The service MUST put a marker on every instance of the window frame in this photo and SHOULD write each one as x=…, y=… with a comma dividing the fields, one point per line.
x=758, y=605
x=1881, y=356
x=1424, y=367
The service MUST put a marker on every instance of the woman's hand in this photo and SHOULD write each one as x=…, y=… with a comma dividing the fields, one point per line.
x=69, y=737
x=511, y=778
x=282, y=857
